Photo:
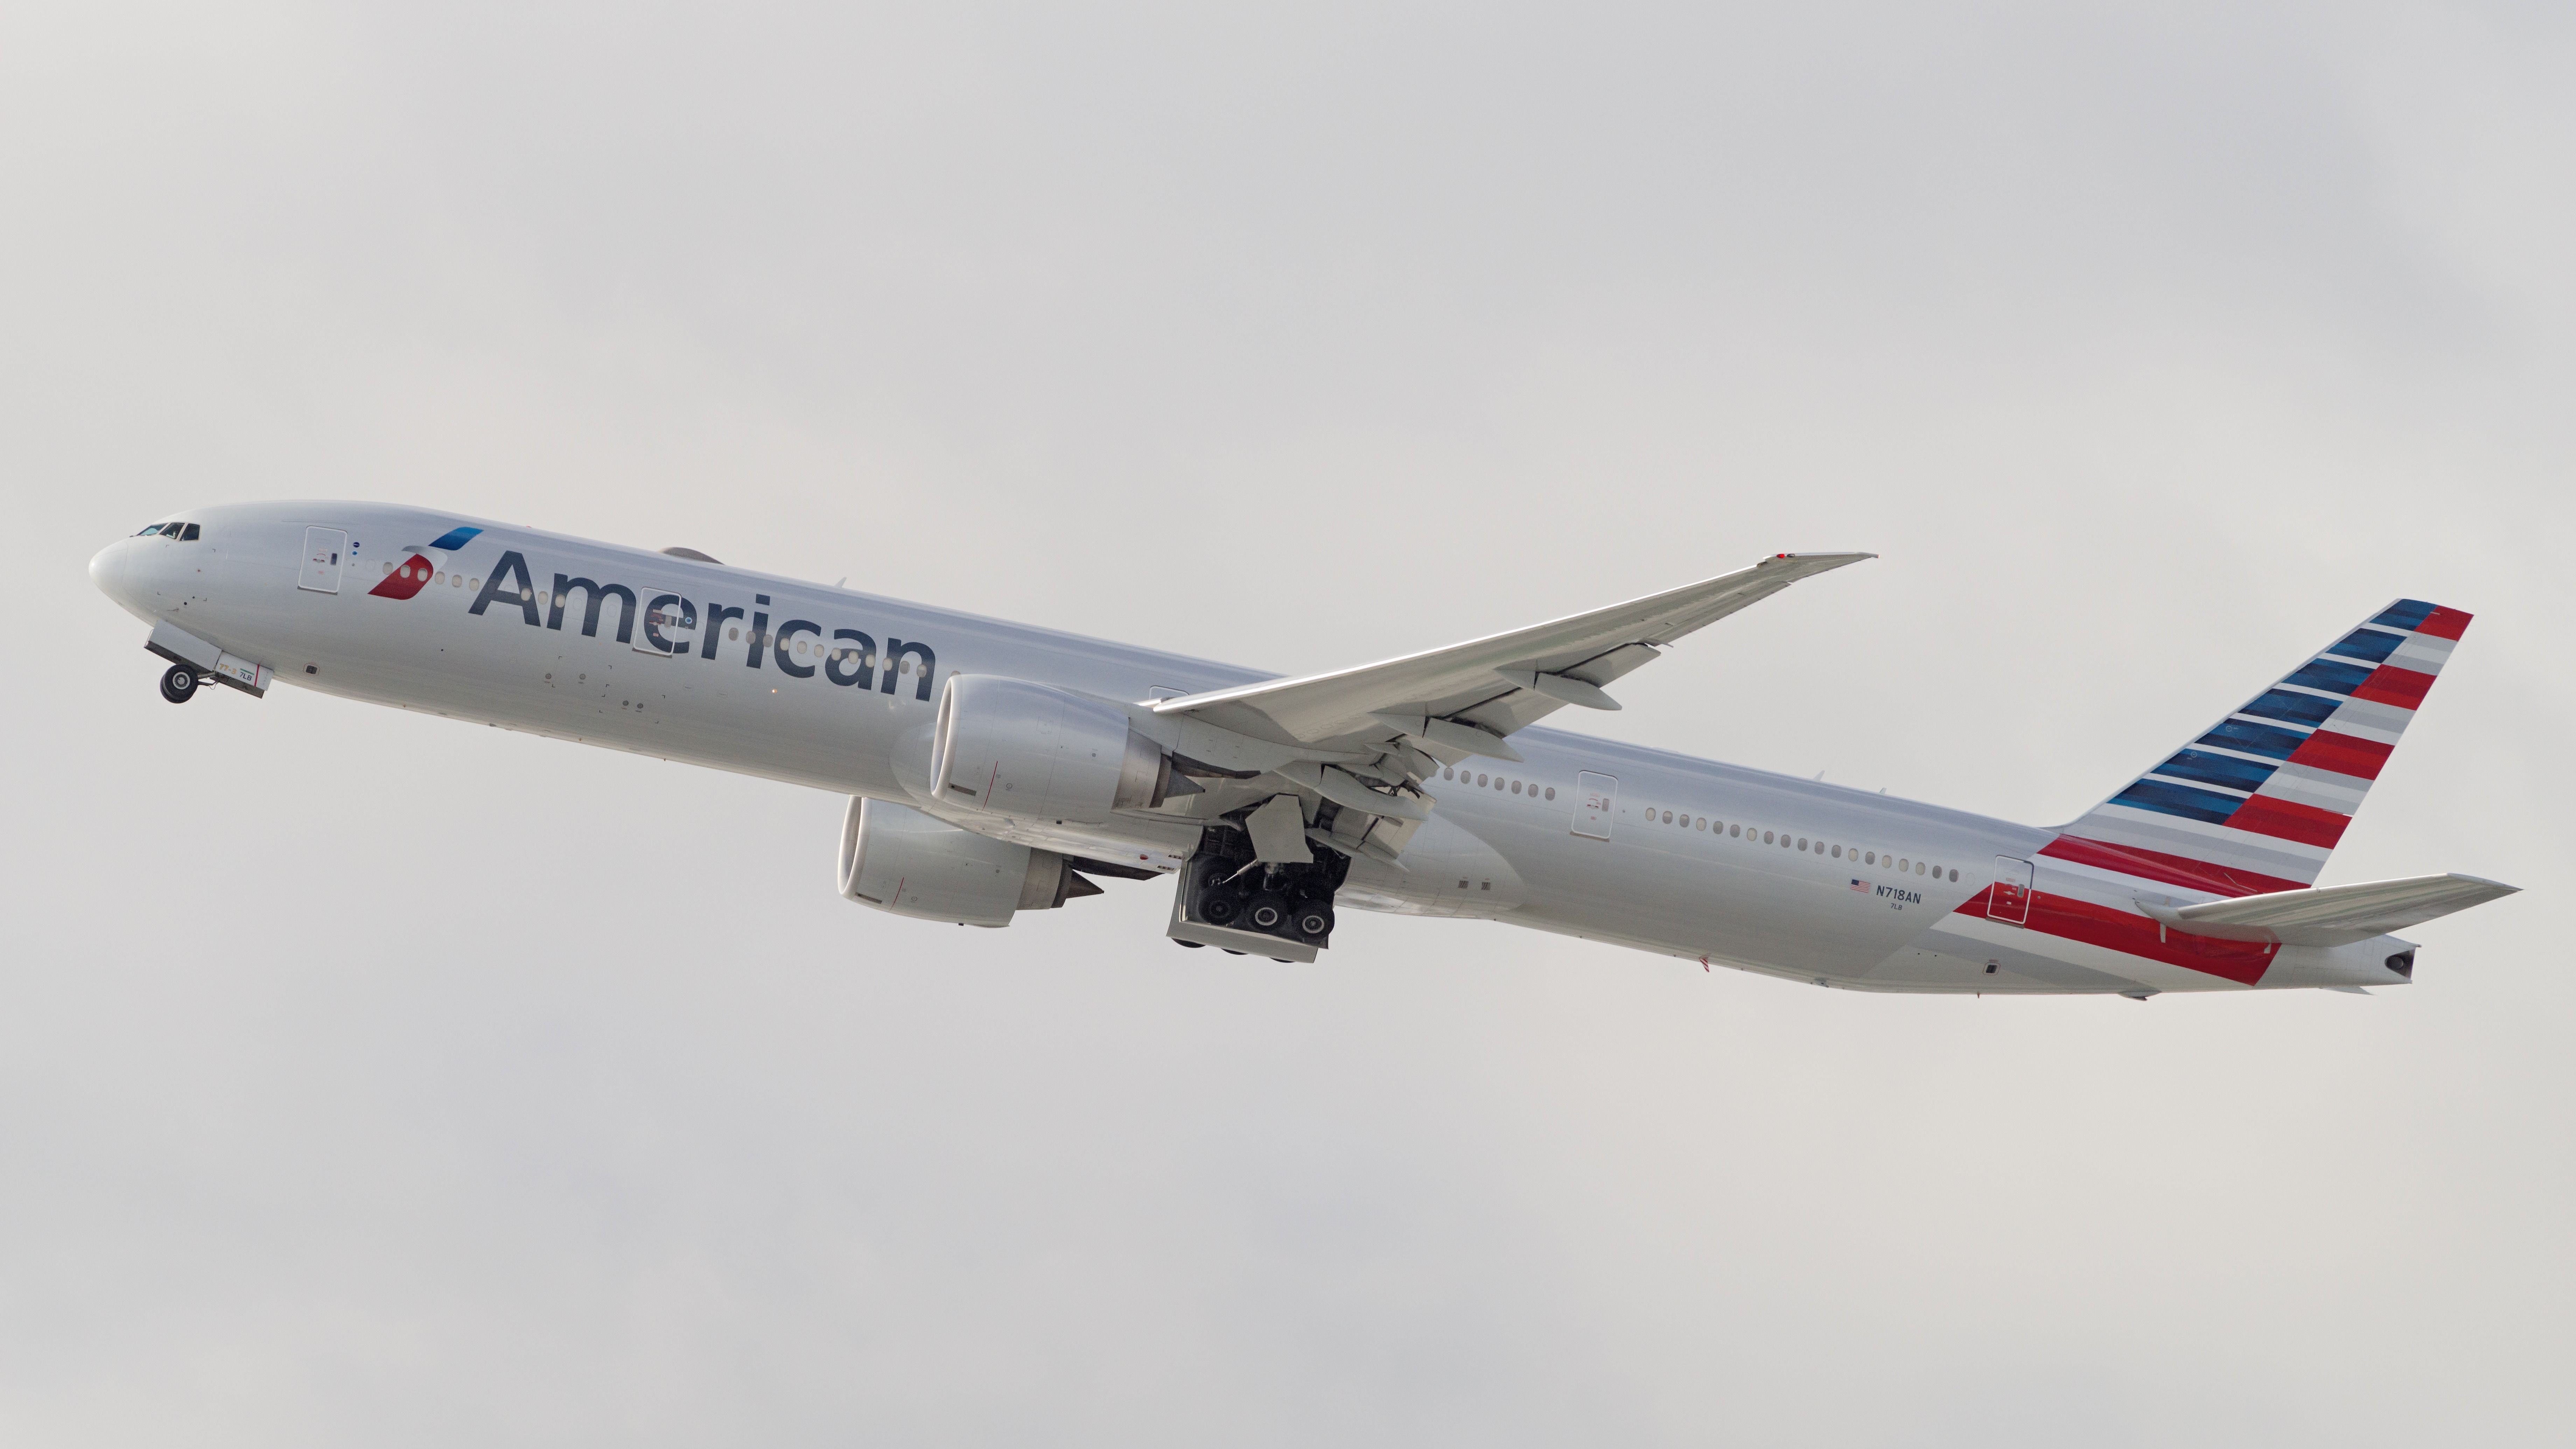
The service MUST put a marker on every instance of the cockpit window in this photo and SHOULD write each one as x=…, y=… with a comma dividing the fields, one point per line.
x=169, y=530
x=188, y=533
x=151, y=529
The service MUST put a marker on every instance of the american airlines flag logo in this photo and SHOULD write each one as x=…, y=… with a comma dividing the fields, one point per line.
x=409, y=577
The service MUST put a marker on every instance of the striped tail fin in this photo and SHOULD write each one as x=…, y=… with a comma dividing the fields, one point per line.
x=2257, y=803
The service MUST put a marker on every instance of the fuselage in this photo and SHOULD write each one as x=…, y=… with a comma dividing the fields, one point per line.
x=835, y=690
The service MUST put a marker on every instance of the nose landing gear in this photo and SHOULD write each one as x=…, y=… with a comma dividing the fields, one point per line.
x=179, y=683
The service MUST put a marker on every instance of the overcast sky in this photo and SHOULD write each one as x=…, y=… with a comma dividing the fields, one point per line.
x=369, y=1079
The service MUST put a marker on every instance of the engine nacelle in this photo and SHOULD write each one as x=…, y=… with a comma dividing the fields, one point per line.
x=898, y=859
x=1035, y=752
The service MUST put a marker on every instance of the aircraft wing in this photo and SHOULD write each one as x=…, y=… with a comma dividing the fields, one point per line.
x=1463, y=699
x=2333, y=915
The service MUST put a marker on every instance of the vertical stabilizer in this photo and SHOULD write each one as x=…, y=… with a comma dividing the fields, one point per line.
x=2258, y=802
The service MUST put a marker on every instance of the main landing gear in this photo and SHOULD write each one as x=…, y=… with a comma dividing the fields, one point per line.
x=179, y=683
x=1226, y=888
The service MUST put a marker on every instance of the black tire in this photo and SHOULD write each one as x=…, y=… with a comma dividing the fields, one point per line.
x=178, y=684
x=1312, y=920
x=1265, y=912
x=1219, y=909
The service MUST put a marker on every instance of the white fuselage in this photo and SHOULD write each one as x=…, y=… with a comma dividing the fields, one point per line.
x=1853, y=889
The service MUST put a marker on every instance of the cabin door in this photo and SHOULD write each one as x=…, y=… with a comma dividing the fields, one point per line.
x=2010, y=902
x=1596, y=799
x=324, y=548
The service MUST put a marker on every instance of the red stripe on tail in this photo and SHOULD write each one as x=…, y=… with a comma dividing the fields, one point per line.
x=2388, y=684
x=2289, y=820
x=2176, y=870
x=2445, y=623
x=2343, y=754
x=2132, y=934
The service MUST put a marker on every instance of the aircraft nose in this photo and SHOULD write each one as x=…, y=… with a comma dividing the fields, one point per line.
x=112, y=569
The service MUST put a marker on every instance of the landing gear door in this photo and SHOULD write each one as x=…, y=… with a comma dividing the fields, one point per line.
x=2010, y=901
x=1596, y=799
x=324, y=548
x=670, y=624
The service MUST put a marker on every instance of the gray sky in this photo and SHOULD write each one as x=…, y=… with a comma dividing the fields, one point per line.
x=369, y=1079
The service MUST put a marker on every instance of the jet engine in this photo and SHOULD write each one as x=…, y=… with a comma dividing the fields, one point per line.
x=898, y=859
x=1035, y=752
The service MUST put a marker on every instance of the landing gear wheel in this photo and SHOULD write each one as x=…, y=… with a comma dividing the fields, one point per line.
x=1218, y=909
x=1265, y=912
x=179, y=684
x=1312, y=920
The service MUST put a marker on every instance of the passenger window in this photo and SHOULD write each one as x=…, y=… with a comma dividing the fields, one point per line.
x=1766, y=837
x=1954, y=874
x=1900, y=863
x=1448, y=774
x=1703, y=823
x=1516, y=787
x=188, y=534
x=1480, y=780
x=1551, y=792
x=1735, y=830
x=1838, y=852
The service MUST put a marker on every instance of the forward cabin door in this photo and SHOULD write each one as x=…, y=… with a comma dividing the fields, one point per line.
x=1596, y=799
x=2010, y=902
x=324, y=548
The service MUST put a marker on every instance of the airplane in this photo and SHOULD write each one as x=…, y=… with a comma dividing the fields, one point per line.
x=994, y=768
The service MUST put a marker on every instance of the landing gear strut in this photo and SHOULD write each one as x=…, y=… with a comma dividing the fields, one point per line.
x=179, y=684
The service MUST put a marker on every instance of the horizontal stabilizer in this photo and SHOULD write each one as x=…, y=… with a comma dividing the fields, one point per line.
x=2333, y=915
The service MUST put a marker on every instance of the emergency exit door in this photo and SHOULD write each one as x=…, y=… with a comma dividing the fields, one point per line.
x=324, y=548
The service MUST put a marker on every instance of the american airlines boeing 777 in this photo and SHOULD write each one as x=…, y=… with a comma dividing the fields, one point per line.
x=994, y=768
